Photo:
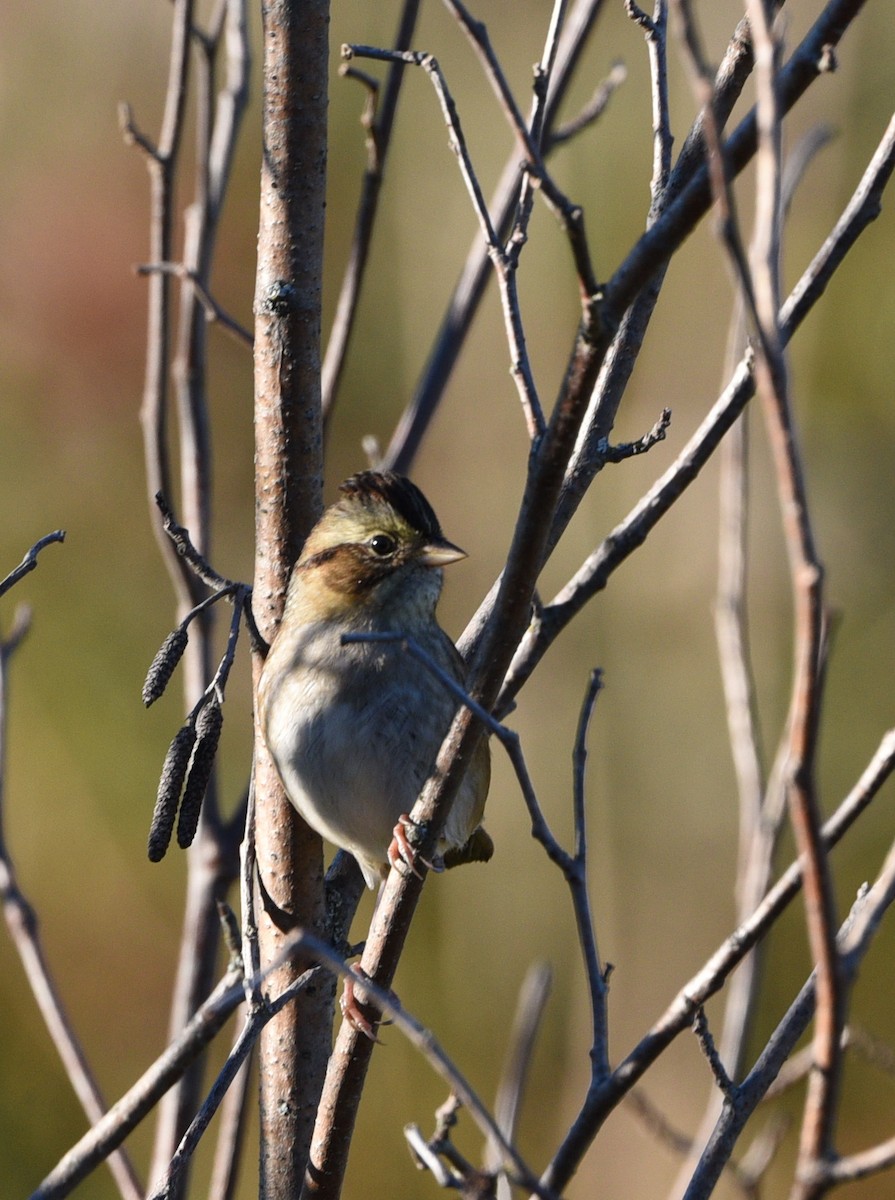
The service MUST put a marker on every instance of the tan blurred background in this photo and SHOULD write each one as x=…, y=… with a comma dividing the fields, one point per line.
x=83, y=754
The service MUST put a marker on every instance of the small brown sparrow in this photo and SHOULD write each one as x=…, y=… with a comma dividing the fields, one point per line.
x=354, y=727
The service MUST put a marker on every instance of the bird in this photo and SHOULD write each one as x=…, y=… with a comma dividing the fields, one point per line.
x=354, y=727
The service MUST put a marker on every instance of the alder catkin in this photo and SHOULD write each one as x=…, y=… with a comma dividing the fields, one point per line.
x=162, y=667
x=170, y=786
x=208, y=734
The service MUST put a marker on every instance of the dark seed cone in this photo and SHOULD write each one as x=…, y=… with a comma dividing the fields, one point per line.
x=208, y=734
x=169, y=788
x=162, y=668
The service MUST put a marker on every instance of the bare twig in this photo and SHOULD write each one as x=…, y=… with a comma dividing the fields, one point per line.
x=854, y=1040
x=635, y=283
x=616, y=370
x=24, y=931
x=602, y=1098
x=186, y=550
x=710, y=1050
x=124, y=1116
x=858, y=1166
x=597, y=975
x=626, y=450
x=217, y=127
x=656, y=1122
x=424, y=1041
x=255, y=1021
x=691, y=202
x=591, y=111
x=760, y=817
x=861, y=211
x=469, y=290
x=529, y=1010
x=232, y=1124
x=161, y=161
x=855, y=938
x=378, y=121
x=504, y=265
x=810, y=619
x=569, y=215
x=213, y=310
x=29, y=562
x=655, y=29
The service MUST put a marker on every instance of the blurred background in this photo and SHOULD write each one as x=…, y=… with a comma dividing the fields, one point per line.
x=83, y=754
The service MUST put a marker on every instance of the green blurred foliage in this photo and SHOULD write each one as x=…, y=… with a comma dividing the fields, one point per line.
x=84, y=756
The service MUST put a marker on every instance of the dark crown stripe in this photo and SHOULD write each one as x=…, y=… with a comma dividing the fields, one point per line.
x=403, y=496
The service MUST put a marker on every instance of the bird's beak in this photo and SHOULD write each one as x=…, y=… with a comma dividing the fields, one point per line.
x=440, y=553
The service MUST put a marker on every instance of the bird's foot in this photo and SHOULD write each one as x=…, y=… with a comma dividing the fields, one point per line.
x=404, y=855
x=352, y=1006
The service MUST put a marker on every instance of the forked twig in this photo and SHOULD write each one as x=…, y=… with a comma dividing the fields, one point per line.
x=213, y=310
x=468, y=292
x=862, y=209
x=504, y=266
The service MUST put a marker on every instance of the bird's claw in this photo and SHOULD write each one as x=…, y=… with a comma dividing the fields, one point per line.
x=350, y=1006
x=404, y=856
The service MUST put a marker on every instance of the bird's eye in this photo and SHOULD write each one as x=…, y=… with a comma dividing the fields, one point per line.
x=383, y=545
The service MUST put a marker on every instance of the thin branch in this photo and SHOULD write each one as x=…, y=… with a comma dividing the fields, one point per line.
x=710, y=1050
x=161, y=161
x=597, y=976
x=810, y=618
x=213, y=310
x=855, y=939
x=468, y=292
x=626, y=450
x=504, y=266
x=569, y=215
x=29, y=562
x=679, y=217
x=255, y=1021
x=858, y=1166
x=24, y=931
x=231, y=1136
x=655, y=31
x=123, y=1117
x=863, y=208
x=619, y=364
x=602, y=1098
x=211, y=869
x=530, y=1006
x=856, y=1041
x=379, y=122
x=457, y=1172
x=656, y=1122
x=761, y=809
x=425, y=1041
x=591, y=111
x=181, y=539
